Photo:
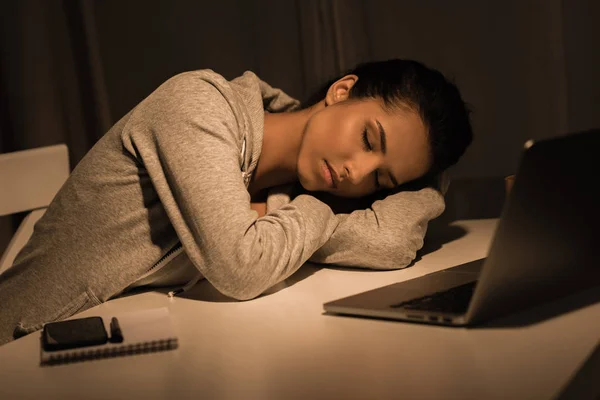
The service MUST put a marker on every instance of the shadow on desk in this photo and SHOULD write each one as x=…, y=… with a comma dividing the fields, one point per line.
x=205, y=291
x=439, y=233
x=584, y=383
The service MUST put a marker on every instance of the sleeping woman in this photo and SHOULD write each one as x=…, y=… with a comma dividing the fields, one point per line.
x=237, y=183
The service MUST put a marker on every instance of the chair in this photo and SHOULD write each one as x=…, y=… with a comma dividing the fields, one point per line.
x=29, y=180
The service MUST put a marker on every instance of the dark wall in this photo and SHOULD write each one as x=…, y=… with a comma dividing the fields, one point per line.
x=582, y=56
x=143, y=43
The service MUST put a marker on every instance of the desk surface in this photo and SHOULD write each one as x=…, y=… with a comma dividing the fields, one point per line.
x=282, y=346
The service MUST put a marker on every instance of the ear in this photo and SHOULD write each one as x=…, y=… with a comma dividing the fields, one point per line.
x=340, y=90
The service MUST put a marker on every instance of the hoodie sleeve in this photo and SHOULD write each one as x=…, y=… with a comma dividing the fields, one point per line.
x=187, y=135
x=385, y=236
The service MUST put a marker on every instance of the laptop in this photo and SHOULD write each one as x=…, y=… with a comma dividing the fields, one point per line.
x=544, y=246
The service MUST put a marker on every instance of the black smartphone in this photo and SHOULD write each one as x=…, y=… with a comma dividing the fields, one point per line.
x=74, y=333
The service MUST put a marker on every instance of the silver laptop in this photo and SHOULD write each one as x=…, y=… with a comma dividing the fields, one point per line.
x=545, y=246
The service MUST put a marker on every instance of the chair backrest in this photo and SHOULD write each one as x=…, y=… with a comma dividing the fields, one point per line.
x=29, y=180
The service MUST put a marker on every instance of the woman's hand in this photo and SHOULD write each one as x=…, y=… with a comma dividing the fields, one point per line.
x=260, y=208
x=258, y=202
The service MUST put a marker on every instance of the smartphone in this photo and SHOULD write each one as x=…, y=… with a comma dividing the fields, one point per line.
x=74, y=333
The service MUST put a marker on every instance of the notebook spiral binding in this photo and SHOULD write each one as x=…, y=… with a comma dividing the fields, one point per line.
x=83, y=354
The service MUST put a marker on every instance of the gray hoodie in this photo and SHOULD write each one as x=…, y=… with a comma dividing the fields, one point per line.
x=164, y=193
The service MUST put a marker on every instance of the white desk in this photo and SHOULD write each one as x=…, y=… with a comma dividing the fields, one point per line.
x=281, y=346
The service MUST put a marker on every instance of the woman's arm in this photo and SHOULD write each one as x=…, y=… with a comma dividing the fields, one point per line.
x=386, y=235
x=377, y=232
x=188, y=136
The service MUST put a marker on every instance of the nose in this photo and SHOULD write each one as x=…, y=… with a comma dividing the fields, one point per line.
x=358, y=170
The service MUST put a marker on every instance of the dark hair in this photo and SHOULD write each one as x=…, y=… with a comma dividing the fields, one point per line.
x=408, y=83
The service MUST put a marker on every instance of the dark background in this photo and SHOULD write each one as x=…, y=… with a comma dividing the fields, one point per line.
x=69, y=69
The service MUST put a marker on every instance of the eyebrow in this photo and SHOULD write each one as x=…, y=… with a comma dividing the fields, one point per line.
x=382, y=140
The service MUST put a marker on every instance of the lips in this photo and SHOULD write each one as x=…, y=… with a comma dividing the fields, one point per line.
x=329, y=175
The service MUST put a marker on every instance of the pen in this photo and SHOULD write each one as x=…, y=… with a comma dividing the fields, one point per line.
x=116, y=336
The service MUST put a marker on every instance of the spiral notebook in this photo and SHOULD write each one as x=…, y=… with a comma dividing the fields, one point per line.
x=143, y=332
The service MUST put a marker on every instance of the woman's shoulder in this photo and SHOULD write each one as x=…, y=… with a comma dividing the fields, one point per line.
x=190, y=92
x=197, y=77
x=247, y=88
x=210, y=76
x=211, y=88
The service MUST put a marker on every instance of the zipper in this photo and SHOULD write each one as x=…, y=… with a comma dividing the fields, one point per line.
x=164, y=260
x=170, y=255
x=246, y=176
x=243, y=153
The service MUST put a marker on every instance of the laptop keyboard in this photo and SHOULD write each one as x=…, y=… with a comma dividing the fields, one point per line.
x=455, y=300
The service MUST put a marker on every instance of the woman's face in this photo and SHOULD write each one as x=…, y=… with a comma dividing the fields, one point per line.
x=353, y=148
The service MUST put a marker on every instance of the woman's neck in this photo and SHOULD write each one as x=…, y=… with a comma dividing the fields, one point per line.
x=279, y=155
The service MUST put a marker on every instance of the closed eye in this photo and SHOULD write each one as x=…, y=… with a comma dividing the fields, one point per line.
x=366, y=144
x=368, y=147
